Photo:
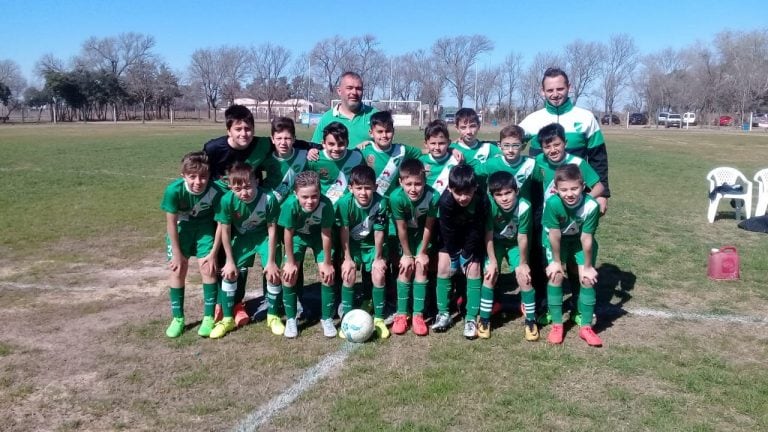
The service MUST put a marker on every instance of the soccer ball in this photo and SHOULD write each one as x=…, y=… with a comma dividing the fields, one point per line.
x=357, y=325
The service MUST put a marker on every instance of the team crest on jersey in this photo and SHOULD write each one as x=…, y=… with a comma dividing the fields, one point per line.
x=323, y=173
x=370, y=160
x=577, y=126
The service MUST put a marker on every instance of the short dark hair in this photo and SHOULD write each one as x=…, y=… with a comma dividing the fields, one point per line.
x=435, y=128
x=306, y=179
x=468, y=115
x=238, y=113
x=412, y=168
x=568, y=172
x=382, y=118
x=240, y=173
x=338, y=131
x=280, y=124
x=195, y=162
x=462, y=178
x=501, y=180
x=550, y=132
x=554, y=72
x=512, y=131
x=362, y=175
x=350, y=74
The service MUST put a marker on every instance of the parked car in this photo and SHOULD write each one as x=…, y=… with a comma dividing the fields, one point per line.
x=638, y=119
x=760, y=120
x=662, y=118
x=614, y=119
x=450, y=118
x=674, y=120
x=689, y=118
x=726, y=121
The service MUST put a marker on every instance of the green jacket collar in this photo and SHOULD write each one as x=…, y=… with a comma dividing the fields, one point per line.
x=559, y=110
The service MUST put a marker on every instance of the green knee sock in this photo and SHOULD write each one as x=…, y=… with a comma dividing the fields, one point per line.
x=227, y=298
x=529, y=303
x=210, y=292
x=403, y=295
x=486, y=302
x=327, y=299
x=587, y=300
x=419, y=292
x=473, y=298
x=289, y=301
x=555, y=301
x=177, y=302
x=378, y=295
x=273, y=298
x=443, y=294
x=242, y=279
x=347, y=298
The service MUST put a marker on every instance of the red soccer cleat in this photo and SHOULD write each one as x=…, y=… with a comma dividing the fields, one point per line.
x=400, y=326
x=590, y=337
x=241, y=316
x=556, y=334
x=419, y=326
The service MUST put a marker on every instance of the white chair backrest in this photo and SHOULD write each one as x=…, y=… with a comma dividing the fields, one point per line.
x=726, y=175
x=761, y=177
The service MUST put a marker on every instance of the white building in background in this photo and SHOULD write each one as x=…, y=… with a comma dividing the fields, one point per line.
x=288, y=108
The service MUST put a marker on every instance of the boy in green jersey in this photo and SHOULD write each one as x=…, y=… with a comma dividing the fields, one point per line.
x=189, y=204
x=247, y=216
x=335, y=162
x=475, y=152
x=511, y=160
x=438, y=161
x=363, y=215
x=286, y=162
x=552, y=139
x=506, y=237
x=570, y=221
x=307, y=218
x=414, y=209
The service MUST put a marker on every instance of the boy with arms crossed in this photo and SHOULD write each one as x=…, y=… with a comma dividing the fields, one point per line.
x=247, y=216
x=189, y=204
x=570, y=221
x=438, y=161
x=307, y=218
x=335, y=162
x=363, y=216
x=507, y=228
x=286, y=162
x=461, y=207
x=414, y=208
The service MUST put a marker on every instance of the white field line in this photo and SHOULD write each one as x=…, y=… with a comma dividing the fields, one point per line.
x=312, y=375
x=89, y=172
x=688, y=316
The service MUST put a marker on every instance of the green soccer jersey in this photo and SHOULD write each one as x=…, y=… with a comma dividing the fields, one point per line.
x=545, y=173
x=306, y=225
x=437, y=170
x=280, y=173
x=191, y=209
x=507, y=224
x=477, y=154
x=571, y=221
x=414, y=213
x=249, y=218
x=358, y=126
x=363, y=221
x=261, y=151
x=386, y=164
x=522, y=169
x=334, y=174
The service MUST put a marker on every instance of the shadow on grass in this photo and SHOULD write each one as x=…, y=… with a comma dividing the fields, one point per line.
x=613, y=283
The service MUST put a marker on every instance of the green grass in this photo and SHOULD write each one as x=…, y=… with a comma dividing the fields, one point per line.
x=85, y=198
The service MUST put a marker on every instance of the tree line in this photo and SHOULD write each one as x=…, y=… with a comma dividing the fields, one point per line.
x=122, y=77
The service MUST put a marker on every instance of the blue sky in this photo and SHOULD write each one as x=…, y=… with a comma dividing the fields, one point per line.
x=30, y=29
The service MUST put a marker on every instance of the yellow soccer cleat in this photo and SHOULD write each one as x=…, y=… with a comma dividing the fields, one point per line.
x=381, y=329
x=223, y=327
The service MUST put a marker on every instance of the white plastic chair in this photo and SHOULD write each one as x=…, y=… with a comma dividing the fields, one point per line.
x=721, y=178
x=761, y=178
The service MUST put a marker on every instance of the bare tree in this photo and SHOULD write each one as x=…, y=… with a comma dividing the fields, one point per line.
x=582, y=63
x=140, y=79
x=235, y=63
x=456, y=56
x=430, y=83
x=269, y=65
x=745, y=60
x=489, y=83
x=117, y=53
x=620, y=61
x=206, y=69
x=405, y=76
x=371, y=63
x=512, y=77
x=15, y=84
x=331, y=57
x=530, y=88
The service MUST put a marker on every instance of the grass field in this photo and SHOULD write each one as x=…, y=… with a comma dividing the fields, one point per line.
x=82, y=289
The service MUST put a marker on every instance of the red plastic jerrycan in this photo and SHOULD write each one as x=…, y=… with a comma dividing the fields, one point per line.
x=723, y=264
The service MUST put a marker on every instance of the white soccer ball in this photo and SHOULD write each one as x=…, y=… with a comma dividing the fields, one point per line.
x=357, y=325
